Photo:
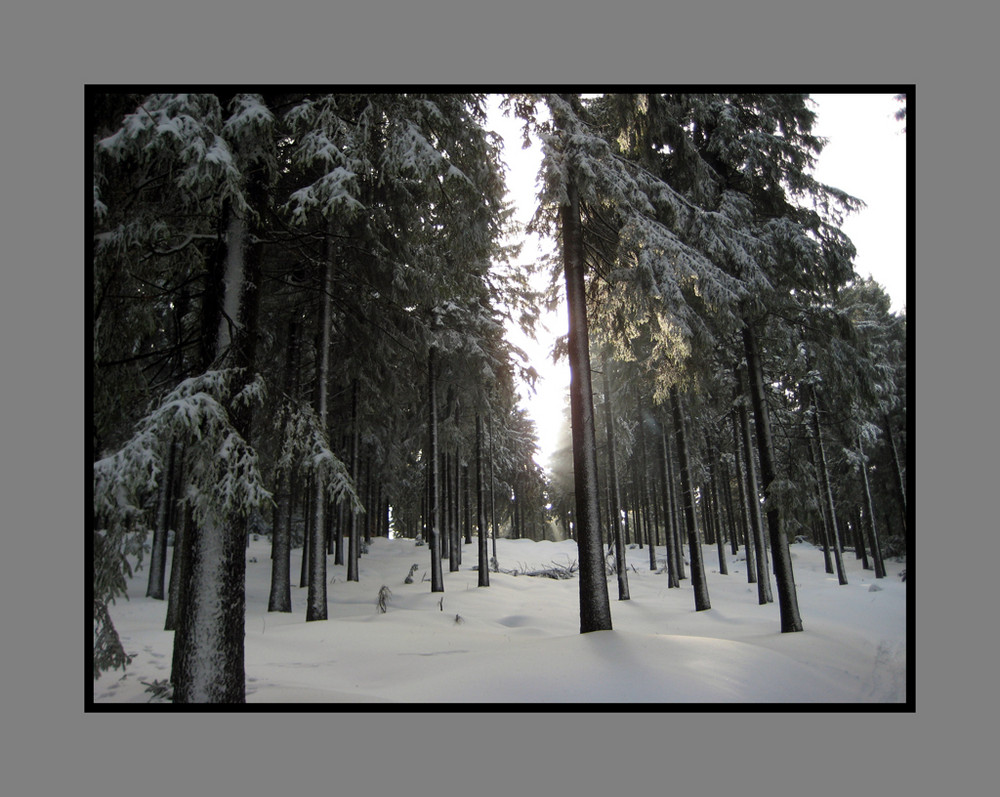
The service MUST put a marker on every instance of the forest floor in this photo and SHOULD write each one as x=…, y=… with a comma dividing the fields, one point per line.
x=517, y=642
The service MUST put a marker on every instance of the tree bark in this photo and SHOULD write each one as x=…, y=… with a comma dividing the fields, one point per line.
x=493, y=506
x=701, y=600
x=873, y=541
x=158, y=555
x=451, y=474
x=828, y=490
x=821, y=505
x=178, y=569
x=280, y=597
x=748, y=534
x=434, y=493
x=354, y=536
x=781, y=557
x=211, y=635
x=857, y=531
x=595, y=606
x=713, y=480
x=316, y=608
x=643, y=472
x=484, y=567
x=901, y=486
x=307, y=516
x=676, y=511
x=445, y=509
x=465, y=496
x=764, y=594
x=725, y=485
x=668, y=516
x=614, y=513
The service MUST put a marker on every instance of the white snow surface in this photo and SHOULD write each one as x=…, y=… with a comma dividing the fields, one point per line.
x=517, y=644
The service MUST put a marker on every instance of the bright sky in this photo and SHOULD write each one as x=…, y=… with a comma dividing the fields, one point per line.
x=865, y=156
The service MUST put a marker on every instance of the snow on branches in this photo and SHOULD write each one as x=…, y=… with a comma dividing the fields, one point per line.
x=182, y=134
x=306, y=445
x=220, y=467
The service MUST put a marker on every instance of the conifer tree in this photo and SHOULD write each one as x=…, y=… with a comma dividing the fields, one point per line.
x=621, y=567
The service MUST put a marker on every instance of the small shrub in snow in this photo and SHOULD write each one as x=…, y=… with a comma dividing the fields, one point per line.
x=160, y=691
x=409, y=577
x=384, y=596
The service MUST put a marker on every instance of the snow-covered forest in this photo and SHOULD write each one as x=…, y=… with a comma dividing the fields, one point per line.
x=312, y=473
x=517, y=644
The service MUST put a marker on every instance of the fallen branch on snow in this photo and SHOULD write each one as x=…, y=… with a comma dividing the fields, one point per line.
x=554, y=570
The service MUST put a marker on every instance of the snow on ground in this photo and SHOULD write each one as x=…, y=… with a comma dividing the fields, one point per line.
x=518, y=641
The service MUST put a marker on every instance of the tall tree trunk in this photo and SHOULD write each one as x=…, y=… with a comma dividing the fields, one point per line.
x=354, y=539
x=338, y=534
x=668, y=519
x=635, y=501
x=175, y=609
x=741, y=487
x=178, y=570
x=858, y=535
x=614, y=513
x=370, y=503
x=626, y=515
x=208, y=350
x=753, y=500
x=213, y=627
x=899, y=471
x=445, y=509
x=158, y=555
x=465, y=494
x=434, y=493
x=873, y=541
x=280, y=597
x=704, y=505
x=307, y=516
x=643, y=468
x=457, y=506
x=825, y=476
x=316, y=608
x=654, y=509
x=788, y=602
x=821, y=505
x=727, y=489
x=493, y=490
x=675, y=508
x=455, y=546
x=701, y=601
x=484, y=567
x=595, y=606
x=713, y=481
